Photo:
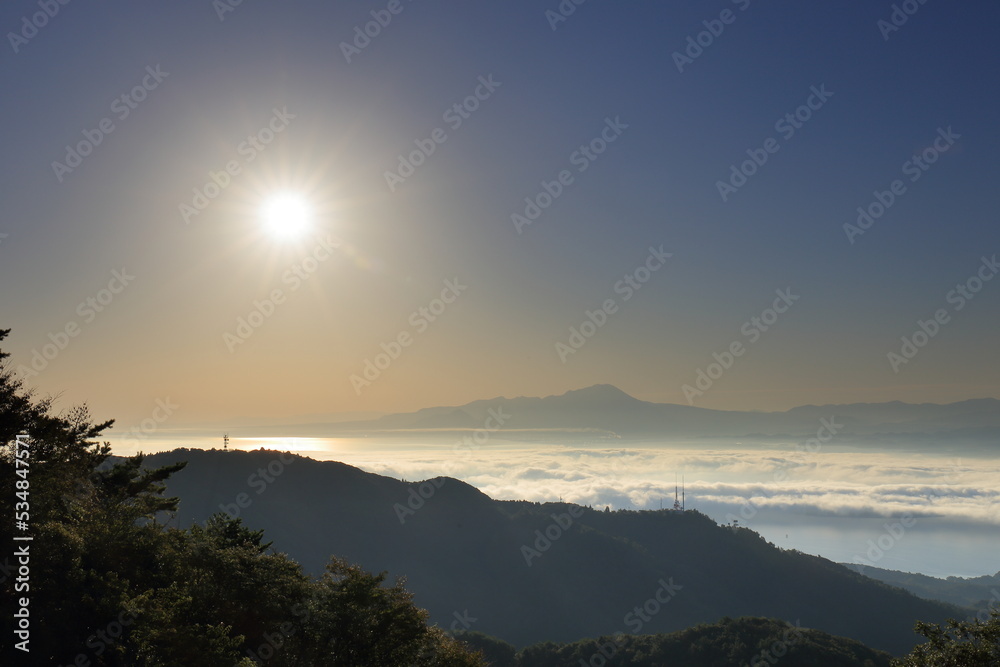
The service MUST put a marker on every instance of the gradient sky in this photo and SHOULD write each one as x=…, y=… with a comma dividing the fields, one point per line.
x=162, y=336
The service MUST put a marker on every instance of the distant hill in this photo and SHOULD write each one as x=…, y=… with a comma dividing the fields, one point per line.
x=466, y=555
x=607, y=409
x=977, y=593
x=737, y=642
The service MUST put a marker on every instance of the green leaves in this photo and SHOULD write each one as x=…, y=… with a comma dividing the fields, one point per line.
x=111, y=586
x=957, y=643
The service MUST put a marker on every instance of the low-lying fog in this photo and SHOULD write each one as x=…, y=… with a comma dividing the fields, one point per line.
x=935, y=513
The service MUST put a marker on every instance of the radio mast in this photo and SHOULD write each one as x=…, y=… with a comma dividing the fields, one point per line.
x=679, y=501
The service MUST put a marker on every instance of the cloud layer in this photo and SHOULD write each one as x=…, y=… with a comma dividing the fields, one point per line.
x=717, y=481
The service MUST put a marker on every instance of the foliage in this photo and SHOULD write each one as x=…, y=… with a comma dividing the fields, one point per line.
x=739, y=642
x=957, y=643
x=112, y=586
x=496, y=652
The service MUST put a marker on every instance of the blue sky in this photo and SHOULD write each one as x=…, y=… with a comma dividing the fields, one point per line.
x=164, y=334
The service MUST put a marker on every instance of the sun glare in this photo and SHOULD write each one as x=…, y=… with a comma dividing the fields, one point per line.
x=286, y=215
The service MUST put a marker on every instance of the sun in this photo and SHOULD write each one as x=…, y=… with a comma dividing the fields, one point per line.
x=286, y=215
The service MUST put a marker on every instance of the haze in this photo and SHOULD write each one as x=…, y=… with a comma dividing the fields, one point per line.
x=271, y=90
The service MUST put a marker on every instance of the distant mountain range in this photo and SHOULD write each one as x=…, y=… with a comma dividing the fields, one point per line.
x=608, y=411
x=981, y=594
x=528, y=572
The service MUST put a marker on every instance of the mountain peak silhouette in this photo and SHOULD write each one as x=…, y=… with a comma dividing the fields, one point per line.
x=603, y=393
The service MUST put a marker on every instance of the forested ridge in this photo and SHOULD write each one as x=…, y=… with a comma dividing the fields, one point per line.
x=110, y=585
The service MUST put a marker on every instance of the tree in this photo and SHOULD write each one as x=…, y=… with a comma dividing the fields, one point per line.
x=497, y=652
x=356, y=621
x=111, y=586
x=957, y=643
x=95, y=542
